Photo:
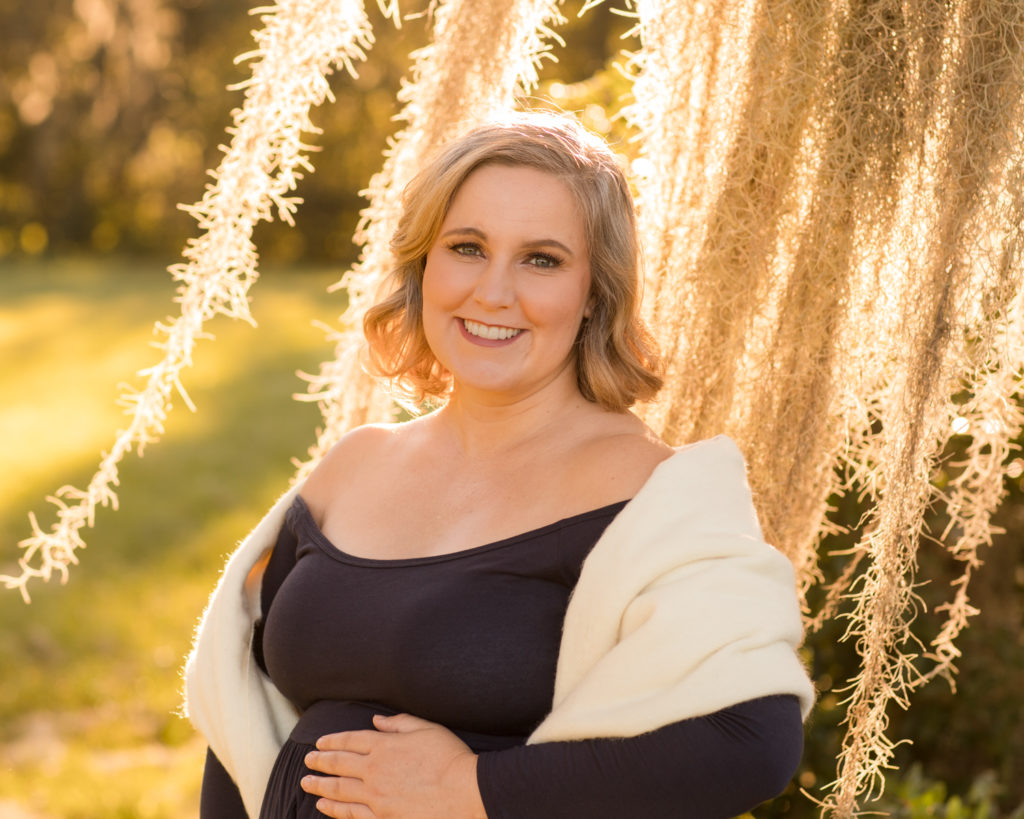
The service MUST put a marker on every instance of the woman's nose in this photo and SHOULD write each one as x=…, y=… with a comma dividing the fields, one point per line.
x=496, y=285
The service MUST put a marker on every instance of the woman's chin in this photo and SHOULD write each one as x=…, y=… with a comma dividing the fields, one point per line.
x=498, y=387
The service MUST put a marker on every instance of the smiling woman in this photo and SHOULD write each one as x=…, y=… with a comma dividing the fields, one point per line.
x=523, y=604
x=574, y=210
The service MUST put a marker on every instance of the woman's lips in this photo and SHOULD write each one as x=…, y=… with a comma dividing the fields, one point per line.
x=488, y=335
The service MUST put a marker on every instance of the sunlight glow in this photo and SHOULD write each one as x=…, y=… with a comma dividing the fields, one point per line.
x=831, y=209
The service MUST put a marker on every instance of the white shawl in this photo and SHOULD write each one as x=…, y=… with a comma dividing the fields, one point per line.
x=681, y=609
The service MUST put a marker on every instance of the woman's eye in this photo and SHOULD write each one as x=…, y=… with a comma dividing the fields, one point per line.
x=466, y=249
x=544, y=260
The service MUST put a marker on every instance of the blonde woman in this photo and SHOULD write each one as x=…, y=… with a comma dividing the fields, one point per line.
x=523, y=603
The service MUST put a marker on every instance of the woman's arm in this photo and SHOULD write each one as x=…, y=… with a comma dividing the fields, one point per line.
x=721, y=765
x=219, y=798
x=709, y=767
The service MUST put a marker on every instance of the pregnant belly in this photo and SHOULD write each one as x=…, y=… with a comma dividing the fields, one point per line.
x=334, y=716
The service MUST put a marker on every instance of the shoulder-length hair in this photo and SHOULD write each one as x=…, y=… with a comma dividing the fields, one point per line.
x=616, y=360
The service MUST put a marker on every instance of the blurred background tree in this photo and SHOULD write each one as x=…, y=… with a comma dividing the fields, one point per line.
x=112, y=110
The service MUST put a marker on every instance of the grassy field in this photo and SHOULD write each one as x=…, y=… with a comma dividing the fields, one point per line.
x=89, y=672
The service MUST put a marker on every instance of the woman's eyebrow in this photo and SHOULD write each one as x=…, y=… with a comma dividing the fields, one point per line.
x=539, y=243
x=533, y=243
x=462, y=231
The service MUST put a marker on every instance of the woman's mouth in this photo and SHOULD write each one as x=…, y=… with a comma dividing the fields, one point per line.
x=488, y=332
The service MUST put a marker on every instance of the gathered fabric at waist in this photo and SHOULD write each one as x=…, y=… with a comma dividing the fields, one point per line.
x=333, y=716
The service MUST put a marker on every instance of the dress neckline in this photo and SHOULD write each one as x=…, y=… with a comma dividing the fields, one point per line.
x=312, y=528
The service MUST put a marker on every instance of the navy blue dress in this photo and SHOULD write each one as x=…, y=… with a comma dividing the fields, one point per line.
x=470, y=640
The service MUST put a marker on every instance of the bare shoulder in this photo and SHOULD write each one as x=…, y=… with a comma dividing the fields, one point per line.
x=618, y=458
x=346, y=463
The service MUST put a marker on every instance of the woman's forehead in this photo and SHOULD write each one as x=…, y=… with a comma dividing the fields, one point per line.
x=499, y=197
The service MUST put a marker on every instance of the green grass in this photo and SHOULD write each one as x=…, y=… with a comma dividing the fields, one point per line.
x=89, y=672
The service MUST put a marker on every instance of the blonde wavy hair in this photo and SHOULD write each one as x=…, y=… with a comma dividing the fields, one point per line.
x=617, y=363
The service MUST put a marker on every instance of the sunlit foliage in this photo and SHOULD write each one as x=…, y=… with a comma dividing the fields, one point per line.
x=833, y=218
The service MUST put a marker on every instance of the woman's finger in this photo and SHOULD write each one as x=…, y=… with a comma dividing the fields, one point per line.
x=335, y=788
x=339, y=796
x=340, y=810
x=401, y=723
x=356, y=742
x=337, y=763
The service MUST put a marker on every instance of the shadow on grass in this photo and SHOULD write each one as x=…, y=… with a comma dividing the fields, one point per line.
x=119, y=629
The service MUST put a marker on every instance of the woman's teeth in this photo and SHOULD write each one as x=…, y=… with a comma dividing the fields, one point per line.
x=488, y=331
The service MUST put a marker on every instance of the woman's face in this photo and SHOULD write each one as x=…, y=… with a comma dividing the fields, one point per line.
x=507, y=283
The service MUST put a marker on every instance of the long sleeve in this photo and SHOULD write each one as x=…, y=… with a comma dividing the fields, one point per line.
x=219, y=798
x=711, y=767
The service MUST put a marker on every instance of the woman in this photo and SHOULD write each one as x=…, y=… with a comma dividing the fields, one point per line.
x=399, y=668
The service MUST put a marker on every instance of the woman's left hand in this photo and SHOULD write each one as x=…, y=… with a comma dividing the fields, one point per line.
x=408, y=768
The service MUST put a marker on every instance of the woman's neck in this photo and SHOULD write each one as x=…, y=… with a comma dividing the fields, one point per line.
x=492, y=428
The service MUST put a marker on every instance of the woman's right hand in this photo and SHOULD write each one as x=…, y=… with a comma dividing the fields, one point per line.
x=409, y=768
